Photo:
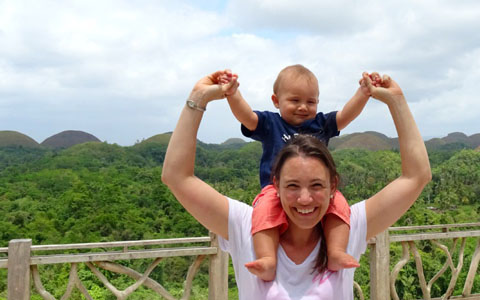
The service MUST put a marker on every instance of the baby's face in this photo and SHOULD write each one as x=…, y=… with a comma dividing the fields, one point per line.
x=297, y=99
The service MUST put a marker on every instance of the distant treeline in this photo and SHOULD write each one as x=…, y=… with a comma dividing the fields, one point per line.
x=103, y=192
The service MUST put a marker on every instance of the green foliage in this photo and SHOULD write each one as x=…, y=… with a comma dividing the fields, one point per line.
x=101, y=192
x=456, y=182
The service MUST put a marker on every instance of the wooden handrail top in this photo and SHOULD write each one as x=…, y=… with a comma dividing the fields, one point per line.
x=116, y=255
x=433, y=236
x=471, y=297
x=116, y=244
x=425, y=227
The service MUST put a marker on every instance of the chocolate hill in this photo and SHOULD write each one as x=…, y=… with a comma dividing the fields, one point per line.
x=372, y=140
x=162, y=138
x=455, y=138
x=369, y=140
x=234, y=141
x=14, y=138
x=68, y=138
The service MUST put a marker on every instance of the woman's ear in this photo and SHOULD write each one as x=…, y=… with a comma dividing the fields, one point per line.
x=333, y=185
x=275, y=185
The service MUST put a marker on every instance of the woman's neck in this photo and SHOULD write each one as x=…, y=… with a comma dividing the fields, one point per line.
x=299, y=243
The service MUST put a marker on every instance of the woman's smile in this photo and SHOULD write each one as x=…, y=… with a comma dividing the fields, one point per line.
x=305, y=211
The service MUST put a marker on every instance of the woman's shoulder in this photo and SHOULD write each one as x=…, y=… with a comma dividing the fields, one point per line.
x=239, y=226
x=358, y=230
x=239, y=207
x=358, y=216
x=358, y=208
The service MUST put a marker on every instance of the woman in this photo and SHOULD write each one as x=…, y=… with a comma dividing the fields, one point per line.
x=305, y=179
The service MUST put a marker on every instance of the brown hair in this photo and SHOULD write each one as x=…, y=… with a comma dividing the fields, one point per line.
x=297, y=71
x=309, y=146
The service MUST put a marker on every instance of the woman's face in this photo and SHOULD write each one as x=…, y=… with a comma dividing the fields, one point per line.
x=304, y=188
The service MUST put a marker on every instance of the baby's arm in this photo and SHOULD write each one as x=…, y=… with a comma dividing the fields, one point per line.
x=242, y=111
x=355, y=105
x=240, y=108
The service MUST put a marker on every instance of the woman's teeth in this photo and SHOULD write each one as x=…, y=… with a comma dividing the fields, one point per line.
x=305, y=211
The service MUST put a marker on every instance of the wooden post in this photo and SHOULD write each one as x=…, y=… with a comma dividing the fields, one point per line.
x=218, y=281
x=19, y=269
x=380, y=267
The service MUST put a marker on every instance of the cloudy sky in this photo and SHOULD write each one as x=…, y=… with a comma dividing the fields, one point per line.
x=121, y=70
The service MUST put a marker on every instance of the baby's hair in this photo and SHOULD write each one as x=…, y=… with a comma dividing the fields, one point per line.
x=295, y=70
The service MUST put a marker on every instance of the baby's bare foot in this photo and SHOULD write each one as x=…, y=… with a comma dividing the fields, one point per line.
x=340, y=260
x=264, y=268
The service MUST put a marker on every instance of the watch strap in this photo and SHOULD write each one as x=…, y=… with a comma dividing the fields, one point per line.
x=193, y=105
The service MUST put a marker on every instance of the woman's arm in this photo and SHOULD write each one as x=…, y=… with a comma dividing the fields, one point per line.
x=388, y=205
x=205, y=204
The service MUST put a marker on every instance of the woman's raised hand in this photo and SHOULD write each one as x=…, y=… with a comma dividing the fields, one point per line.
x=382, y=88
x=213, y=87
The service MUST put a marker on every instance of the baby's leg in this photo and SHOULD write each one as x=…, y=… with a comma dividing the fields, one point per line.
x=337, y=233
x=268, y=222
x=265, y=244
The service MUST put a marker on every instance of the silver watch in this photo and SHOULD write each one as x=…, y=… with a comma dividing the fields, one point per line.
x=193, y=105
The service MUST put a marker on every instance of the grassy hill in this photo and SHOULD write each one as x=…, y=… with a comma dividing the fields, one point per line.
x=14, y=138
x=68, y=138
x=454, y=140
x=162, y=138
x=369, y=140
x=234, y=141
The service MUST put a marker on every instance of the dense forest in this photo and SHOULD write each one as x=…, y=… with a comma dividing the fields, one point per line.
x=96, y=192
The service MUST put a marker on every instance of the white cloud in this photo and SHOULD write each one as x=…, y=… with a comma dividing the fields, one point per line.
x=122, y=70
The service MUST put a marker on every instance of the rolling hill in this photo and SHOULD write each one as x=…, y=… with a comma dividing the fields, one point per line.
x=14, y=138
x=162, y=138
x=369, y=140
x=68, y=138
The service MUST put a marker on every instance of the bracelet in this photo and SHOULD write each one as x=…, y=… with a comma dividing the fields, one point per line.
x=193, y=105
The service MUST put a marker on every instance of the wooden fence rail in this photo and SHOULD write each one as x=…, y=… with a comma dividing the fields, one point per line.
x=22, y=263
x=383, y=281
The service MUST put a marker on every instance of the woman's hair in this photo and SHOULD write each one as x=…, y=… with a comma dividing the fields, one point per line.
x=309, y=146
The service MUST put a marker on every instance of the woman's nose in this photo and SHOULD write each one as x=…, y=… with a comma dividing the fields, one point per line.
x=304, y=197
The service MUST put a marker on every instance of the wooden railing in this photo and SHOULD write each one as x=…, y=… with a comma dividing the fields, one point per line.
x=383, y=281
x=22, y=263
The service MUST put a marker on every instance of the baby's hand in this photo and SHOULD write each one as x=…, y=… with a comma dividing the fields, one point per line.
x=376, y=81
x=226, y=78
